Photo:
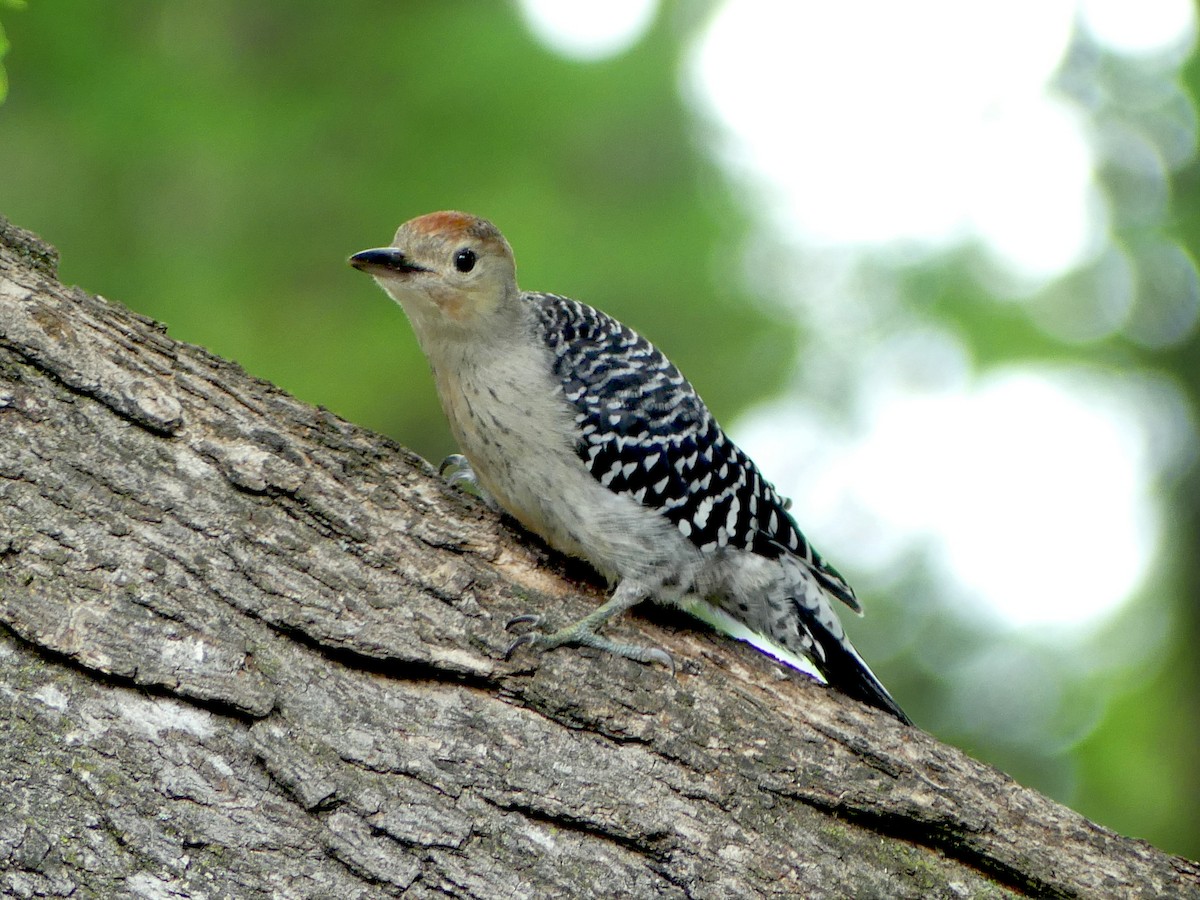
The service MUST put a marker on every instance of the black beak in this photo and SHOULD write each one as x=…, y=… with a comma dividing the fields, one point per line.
x=384, y=259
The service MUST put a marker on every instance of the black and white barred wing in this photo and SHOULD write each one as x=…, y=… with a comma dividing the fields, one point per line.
x=645, y=432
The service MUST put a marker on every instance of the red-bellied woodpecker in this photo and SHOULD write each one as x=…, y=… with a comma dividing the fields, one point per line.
x=591, y=438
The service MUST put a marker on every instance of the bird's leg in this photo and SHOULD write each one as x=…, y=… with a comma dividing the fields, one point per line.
x=584, y=632
x=463, y=476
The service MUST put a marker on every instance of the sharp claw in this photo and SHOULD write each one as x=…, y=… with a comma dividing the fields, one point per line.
x=454, y=460
x=526, y=619
x=655, y=654
x=528, y=638
x=463, y=477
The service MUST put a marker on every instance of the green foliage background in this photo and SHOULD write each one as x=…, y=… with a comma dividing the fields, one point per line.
x=213, y=164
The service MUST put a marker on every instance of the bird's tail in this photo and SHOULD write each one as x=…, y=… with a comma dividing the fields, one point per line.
x=837, y=664
x=832, y=653
x=846, y=671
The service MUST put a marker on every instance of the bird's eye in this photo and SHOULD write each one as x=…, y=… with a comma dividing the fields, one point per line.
x=464, y=260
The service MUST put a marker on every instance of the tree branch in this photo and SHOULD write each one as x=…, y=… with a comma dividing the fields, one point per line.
x=250, y=649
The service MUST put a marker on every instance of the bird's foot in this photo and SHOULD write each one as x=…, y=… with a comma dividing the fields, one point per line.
x=463, y=477
x=582, y=634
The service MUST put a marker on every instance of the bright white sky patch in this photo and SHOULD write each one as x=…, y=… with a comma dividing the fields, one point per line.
x=588, y=31
x=1142, y=27
x=1033, y=489
x=1041, y=216
x=1038, y=498
x=931, y=122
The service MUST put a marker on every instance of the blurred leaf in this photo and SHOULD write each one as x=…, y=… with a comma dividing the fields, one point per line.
x=4, y=44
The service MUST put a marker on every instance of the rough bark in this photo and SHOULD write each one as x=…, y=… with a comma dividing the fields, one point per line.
x=248, y=649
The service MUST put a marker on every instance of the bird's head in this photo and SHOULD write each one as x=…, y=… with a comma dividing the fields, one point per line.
x=447, y=270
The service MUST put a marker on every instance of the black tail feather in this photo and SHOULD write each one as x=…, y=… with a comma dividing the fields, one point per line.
x=846, y=672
